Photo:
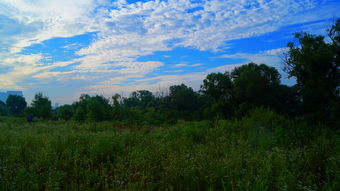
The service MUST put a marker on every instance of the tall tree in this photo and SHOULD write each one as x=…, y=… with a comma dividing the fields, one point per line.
x=183, y=101
x=92, y=108
x=41, y=106
x=255, y=85
x=116, y=100
x=140, y=98
x=3, y=109
x=216, y=85
x=217, y=93
x=16, y=104
x=64, y=112
x=98, y=109
x=315, y=63
x=80, y=107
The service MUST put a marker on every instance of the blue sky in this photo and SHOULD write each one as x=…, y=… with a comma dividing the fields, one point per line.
x=65, y=48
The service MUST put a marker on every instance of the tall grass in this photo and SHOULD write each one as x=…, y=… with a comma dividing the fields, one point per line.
x=263, y=151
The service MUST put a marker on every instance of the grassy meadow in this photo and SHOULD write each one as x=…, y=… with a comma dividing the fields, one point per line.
x=262, y=151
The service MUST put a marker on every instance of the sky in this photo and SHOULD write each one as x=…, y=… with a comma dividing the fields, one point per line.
x=66, y=48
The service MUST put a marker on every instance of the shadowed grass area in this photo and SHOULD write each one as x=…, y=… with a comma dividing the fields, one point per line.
x=263, y=151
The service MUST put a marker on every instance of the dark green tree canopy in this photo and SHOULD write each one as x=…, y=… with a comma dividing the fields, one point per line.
x=116, y=99
x=80, y=107
x=16, y=104
x=263, y=72
x=315, y=63
x=64, y=112
x=216, y=85
x=183, y=98
x=92, y=108
x=255, y=84
x=41, y=106
x=98, y=108
x=3, y=109
x=140, y=98
x=217, y=93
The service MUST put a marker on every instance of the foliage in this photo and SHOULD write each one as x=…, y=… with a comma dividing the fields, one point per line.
x=41, y=106
x=215, y=85
x=315, y=63
x=98, y=109
x=246, y=87
x=3, y=109
x=255, y=85
x=16, y=104
x=182, y=101
x=95, y=108
x=64, y=112
x=141, y=99
x=262, y=151
x=217, y=92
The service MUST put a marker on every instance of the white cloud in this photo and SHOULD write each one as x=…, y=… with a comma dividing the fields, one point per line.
x=184, y=64
x=276, y=52
x=42, y=20
x=32, y=60
x=269, y=57
x=173, y=71
x=19, y=66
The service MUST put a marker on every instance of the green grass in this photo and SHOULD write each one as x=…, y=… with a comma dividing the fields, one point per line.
x=263, y=151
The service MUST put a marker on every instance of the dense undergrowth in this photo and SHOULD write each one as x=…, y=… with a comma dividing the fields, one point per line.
x=262, y=151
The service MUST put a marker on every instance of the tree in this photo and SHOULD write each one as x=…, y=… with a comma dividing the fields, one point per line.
x=98, y=109
x=315, y=63
x=287, y=100
x=146, y=98
x=41, y=106
x=64, y=112
x=183, y=101
x=116, y=100
x=92, y=108
x=255, y=85
x=3, y=109
x=131, y=101
x=217, y=94
x=81, y=107
x=140, y=98
x=216, y=85
x=16, y=104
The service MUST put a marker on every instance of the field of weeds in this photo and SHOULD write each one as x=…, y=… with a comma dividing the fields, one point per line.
x=263, y=151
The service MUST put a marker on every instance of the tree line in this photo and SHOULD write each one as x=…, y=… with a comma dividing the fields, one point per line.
x=313, y=60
